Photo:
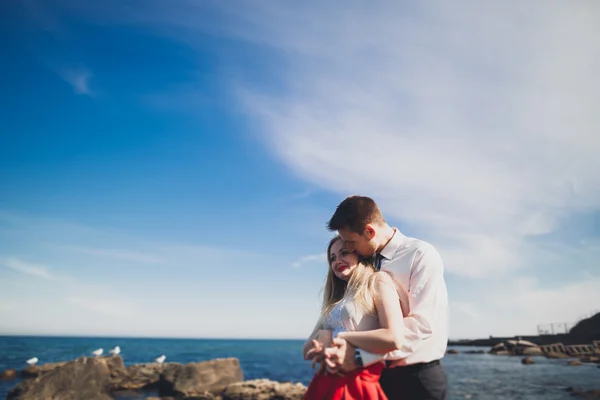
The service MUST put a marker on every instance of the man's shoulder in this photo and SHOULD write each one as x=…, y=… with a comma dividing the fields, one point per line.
x=418, y=245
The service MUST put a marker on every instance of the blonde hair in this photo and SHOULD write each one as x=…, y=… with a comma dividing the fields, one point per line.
x=360, y=286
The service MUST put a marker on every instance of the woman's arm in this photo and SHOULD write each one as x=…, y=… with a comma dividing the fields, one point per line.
x=309, y=342
x=389, y=336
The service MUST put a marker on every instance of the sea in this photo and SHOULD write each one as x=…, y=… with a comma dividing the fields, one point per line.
x=470, y=376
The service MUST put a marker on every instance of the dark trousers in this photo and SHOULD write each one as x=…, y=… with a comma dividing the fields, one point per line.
x=415, y=382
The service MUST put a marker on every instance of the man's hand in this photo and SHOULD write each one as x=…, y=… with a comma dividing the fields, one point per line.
x=316, y=353
x=339, y=357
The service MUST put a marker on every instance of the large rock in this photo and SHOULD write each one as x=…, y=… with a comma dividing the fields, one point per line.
x=34, y=371
x=587, y=326
x=532, y=351
x=139, y=376
x=84, y=378
x=264, y=389
x=196, y=379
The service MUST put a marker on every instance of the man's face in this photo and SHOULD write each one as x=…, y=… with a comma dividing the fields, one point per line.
x=363, y=244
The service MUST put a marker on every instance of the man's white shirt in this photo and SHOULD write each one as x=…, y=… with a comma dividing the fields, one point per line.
x=418, y=272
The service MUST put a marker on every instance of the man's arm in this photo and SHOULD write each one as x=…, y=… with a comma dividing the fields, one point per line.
x=425, y=299
x=386, y=338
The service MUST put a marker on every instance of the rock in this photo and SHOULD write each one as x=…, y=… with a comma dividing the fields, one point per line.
x=125, y=394
x=590, y=359
x=264, y=389
x=501, y=353
x=498, y=347
x=475, y=352
x=36, y=370
x=161, y=398
x=527, y=361
x=139, y=376
x=196, y=379
x=575, y=363
x=532, y=351
x=84, y=378
x=590, y=394
x=8, y=375
x=556, y=355
x=452, y=351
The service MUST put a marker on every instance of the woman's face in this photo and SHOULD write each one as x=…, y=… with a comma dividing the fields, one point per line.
x=341, y=261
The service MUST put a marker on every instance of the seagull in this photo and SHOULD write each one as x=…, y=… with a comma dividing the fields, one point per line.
x=98, y=352
x=161, y=359
x=115, y=351
x=32, y=361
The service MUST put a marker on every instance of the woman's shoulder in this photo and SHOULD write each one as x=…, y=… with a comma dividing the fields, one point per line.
x=384, y=278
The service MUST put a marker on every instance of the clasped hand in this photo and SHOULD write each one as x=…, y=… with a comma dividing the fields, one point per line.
x=330, y=353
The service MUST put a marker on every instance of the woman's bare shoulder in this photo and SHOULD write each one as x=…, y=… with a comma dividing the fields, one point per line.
x=384, y=278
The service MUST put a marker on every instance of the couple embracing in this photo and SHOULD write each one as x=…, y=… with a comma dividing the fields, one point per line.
x=383, y=325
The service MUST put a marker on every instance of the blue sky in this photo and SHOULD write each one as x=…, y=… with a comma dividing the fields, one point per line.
x=167, y=169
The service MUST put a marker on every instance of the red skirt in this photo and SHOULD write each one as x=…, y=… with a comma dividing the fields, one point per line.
x=361, y=384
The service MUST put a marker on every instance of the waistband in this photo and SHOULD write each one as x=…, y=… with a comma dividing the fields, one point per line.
x=412, y=367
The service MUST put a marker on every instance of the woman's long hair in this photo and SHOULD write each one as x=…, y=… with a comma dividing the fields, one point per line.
x=360, y=286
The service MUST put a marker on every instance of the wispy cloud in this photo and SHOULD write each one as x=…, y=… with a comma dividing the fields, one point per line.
x=118, y=254
x=106, y=306
x=79, y=79
x=37, y=270
x=482, y=141
x=309, y=259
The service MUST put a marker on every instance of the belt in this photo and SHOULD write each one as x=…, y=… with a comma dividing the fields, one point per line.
x=412, y=367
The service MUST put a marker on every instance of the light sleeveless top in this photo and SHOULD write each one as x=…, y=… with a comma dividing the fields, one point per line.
x=346, y=316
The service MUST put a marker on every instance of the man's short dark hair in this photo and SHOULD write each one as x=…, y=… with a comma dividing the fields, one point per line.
x=354, y=213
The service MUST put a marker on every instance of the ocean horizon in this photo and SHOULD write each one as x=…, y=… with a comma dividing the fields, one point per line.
x=475, y=376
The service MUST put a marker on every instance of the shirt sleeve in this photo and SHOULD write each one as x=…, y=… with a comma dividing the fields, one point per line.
x=425, y=300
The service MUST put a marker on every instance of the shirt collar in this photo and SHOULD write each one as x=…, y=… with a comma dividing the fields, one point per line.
x=394, y=244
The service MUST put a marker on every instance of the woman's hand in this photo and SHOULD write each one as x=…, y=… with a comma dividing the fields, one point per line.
x=321, y=340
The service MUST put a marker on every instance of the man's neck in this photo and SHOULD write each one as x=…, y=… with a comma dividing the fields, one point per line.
x=386, y=235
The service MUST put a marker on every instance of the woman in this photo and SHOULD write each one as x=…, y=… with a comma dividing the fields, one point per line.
x=362, y=307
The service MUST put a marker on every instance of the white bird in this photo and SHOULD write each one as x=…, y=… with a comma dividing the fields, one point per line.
x=161, y=359
x=98, y=352
x=115, y=351
x=32, y=361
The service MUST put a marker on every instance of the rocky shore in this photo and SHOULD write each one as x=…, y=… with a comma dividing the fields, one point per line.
x=574, y=355
x=107, y=378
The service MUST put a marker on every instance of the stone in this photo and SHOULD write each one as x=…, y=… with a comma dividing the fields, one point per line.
x=582, y=394
x=527, y=361
x=83, y=378
x=590, y=359
x=264, y=389
x=8, y=375
x=575, y=363
x=196, y=379
x=452, y=351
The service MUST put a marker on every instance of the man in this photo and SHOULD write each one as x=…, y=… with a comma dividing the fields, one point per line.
x=413, y=371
